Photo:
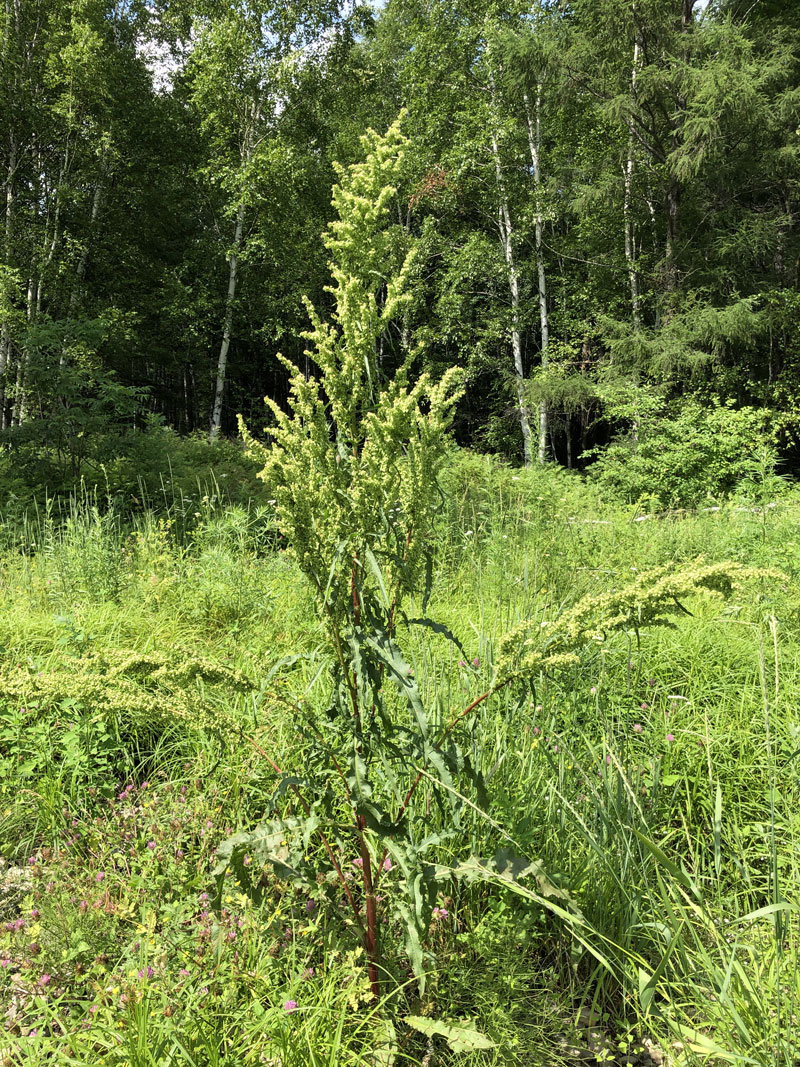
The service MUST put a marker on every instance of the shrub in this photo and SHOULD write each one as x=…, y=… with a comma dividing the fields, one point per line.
x=690, y=453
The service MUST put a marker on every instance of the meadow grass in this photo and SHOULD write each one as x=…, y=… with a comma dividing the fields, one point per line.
x=656, y=782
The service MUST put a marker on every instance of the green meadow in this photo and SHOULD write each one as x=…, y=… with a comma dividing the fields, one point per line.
x=159, y=668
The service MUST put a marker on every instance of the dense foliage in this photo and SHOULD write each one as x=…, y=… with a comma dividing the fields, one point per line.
x=605, y=195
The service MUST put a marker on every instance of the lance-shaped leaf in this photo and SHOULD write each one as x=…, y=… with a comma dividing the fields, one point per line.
x=388, y=652
x=460, y=1034
x=361, y=796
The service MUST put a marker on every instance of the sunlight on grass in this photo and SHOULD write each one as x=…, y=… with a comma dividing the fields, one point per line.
x=655, y=781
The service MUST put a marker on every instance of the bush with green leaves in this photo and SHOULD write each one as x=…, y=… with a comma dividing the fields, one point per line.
x=136, y=469
x=691, y=452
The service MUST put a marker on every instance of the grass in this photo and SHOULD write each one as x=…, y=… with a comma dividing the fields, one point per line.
x=656, y=782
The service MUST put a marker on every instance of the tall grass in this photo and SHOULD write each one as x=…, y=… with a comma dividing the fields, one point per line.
x=656, y=782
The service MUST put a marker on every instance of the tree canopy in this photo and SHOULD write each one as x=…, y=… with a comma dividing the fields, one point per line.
x=604, y=197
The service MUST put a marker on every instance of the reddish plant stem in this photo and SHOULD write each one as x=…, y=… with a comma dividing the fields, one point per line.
x=371, y=932
x=331, y=856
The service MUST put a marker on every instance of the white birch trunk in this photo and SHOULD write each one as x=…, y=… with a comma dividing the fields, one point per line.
x=20, y=405
x=227, y=324
x=80, y=270
x=5, y=329
x=534, y=144
x=247, y=149
x=35, y=294
x=630, y=237
x=506, y=238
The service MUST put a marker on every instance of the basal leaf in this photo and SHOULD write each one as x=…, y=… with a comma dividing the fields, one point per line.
x=460, y=1034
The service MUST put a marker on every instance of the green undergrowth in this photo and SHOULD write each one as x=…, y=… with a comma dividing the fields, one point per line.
x=151, y=674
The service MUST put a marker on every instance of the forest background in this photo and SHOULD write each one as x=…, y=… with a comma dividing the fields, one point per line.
x=605, y=193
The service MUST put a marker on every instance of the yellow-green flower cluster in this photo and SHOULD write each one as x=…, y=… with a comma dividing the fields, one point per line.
x=130, y=687
x=352, y=464
x=649, y=600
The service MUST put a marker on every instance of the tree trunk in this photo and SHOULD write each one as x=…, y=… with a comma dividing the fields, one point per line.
x=673, y=199
x=34, y=302
x=630, y=237
x=534, y=143
x=247, y=148
x=80, y=270
x=13, y=160
x=506, y=238
x=5, y=328
x=227, y=324
x=673, y=194
x=20, y=406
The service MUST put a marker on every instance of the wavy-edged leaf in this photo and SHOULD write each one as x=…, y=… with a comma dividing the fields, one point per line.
x=279, y=843
x=372, y=563
x=388, y=652
x=460, y=1034
x=506, y=866
x=361, y=796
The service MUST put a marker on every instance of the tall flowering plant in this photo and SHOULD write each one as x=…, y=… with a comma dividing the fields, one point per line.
x=352, y=465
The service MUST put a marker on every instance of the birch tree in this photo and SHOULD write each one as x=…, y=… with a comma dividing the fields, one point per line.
x=243, y=54
x=628, y=213
x=506, y=230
